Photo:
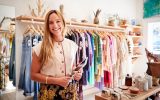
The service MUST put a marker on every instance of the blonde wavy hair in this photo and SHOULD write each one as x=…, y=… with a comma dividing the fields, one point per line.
x=46, y=51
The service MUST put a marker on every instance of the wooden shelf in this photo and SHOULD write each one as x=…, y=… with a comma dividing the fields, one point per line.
x=30, y=18
x=134, y=32
x=133, y=36
x=136, y=56
x=3, y=31
x=133, y=26
x=34, y=20
x=136, y=46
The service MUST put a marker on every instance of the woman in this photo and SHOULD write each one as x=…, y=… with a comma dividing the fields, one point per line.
x=52, y=61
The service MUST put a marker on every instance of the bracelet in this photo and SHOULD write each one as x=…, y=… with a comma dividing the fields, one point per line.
x=46, y=79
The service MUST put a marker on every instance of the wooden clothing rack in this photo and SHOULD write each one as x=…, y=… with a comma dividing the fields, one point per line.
x=4, y=31
x=38, y=20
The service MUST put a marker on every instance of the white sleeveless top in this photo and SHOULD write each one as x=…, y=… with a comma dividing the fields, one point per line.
x=67, y=49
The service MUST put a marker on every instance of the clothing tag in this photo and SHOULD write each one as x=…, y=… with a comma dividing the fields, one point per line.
x=104, y=42
x=94, y=47
x=29, y=42
x=35, y=41
x=86, y=43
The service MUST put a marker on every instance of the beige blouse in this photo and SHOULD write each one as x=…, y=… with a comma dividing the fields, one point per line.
x=65, y=54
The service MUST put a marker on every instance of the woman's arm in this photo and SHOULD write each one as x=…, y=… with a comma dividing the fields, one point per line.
x=37, y=76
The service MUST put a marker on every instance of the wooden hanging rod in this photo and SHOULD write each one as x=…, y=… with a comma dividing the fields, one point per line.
x=93, y=26
x=4, y=31
x=30, y=18
x=35, y=20
x=32, y=22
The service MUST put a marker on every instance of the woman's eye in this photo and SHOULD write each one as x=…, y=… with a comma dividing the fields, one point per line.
x=58, y=21
x=50, y=22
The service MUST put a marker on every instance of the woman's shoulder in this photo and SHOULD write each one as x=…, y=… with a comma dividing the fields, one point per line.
x=70, y=42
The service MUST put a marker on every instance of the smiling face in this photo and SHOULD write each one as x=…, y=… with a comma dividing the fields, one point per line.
x=56, y=26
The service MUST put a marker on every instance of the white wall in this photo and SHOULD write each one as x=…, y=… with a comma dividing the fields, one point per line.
x=6, y=11
x=80, y=9
x=140, y=67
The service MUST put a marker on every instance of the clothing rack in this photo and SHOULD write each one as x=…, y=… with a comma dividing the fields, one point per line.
x=4, y=31
x=94, y=26
x=35, y=20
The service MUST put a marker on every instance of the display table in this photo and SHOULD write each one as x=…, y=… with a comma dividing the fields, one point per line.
x=144, y=95
x=99, y=97
x=140, y=96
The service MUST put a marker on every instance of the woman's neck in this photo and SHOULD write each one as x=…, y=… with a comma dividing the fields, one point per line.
x=59, y=39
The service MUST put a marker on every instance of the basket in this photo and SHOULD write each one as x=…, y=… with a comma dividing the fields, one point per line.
x=154, y=69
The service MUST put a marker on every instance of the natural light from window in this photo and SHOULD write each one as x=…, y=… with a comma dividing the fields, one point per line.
x=154, y=37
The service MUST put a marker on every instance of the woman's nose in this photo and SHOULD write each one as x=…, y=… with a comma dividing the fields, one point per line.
x=55, y=25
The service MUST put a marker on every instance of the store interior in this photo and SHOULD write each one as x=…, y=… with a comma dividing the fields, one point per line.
x=132, y=21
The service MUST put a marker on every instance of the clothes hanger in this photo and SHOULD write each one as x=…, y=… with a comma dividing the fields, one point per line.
x=34, y=29
x=81, y=30
x=84, y=30
x=70, y=31
x=75, y=30
x=27, y=30
x=101, y=34
x=42, y=30
x=90, y=31
x=39, y=30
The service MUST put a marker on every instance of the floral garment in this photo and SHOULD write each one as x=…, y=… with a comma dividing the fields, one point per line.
x=56, y=92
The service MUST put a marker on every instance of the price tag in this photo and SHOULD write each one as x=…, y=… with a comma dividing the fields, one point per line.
x=29, y=42
x=35, y=41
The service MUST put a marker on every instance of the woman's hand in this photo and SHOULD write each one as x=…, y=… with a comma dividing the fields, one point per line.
x=64, y=81
x=78, y=74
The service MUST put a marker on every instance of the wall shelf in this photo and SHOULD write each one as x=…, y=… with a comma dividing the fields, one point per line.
x=136, y=46
x=135, y=36
x=135, y=33
x=135, y=56
x=35, y=20
x=132, y=26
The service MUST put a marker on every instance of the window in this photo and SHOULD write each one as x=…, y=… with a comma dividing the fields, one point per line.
x=154, y=37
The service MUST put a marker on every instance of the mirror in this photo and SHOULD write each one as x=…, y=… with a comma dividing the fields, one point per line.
x=7, y=49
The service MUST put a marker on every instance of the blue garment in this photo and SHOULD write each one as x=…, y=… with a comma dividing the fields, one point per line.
x=12, y=75
x=91, y=69
x=35, y=41
x=25, y=81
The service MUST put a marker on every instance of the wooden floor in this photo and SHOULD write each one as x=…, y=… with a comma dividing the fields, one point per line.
x=15, y=96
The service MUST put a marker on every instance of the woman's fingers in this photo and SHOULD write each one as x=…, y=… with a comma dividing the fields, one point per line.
x=77, y=75
x=64, y=81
